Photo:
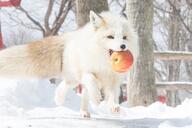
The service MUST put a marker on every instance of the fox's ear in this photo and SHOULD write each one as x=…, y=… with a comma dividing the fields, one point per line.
x=96, y=20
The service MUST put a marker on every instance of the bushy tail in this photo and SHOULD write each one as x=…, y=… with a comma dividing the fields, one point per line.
x=37, y=59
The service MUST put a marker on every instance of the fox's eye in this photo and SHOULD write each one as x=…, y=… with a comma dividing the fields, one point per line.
x=124, y=37
x=110, y=37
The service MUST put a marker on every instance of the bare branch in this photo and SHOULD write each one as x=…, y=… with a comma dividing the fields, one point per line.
x=189, y=3
x=161, y=9
x=61, y=17
x=62, y=5
x=124, y=8
x=18, y=21
x=48, y=14
x=180, y=17
x=31, y=18
x=118, y=3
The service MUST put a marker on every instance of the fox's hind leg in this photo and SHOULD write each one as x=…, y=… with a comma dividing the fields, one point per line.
x=61, y=92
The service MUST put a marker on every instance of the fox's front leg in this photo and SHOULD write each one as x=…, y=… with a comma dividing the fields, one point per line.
x=84, y=104
x=90, y=82
x=112, y=95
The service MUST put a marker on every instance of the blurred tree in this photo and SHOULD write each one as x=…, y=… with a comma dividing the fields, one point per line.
x=46, y=27
x=189, y=43
x=141, y=81
x=175, y=43
x=83, y=8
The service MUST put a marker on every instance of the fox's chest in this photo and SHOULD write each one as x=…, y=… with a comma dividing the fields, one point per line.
x=109, y=78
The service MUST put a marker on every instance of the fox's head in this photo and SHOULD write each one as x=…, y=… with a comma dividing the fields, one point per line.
x=114, y=32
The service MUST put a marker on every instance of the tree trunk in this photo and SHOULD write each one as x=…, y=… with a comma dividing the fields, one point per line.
x=141, y=80
x=188, y=64
x=1, y=36
x=174, y=44
x=83, y=8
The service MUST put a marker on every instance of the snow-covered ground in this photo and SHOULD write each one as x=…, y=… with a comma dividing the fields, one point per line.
x=29, y=103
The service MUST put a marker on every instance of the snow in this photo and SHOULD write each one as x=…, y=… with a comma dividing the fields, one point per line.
x=167, y=124
x=29, y=103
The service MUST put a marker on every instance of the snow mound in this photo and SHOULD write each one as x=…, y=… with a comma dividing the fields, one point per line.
x=21, y=100
x=168, y=124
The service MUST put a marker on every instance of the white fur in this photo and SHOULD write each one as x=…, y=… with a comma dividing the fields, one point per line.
x=86, y=58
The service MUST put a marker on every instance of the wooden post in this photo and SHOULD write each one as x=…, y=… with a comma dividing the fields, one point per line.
x=1, y=37
x=9, y=3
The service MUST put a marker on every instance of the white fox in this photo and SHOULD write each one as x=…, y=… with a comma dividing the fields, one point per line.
x=79, y=57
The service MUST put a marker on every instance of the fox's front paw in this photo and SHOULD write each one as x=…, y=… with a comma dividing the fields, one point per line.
x=115, y=109
x=85, y=114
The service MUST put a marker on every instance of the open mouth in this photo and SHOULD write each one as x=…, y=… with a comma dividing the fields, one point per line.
x=111, y=51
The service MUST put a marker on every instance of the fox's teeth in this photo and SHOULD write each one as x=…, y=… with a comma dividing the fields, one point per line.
x=110, y=52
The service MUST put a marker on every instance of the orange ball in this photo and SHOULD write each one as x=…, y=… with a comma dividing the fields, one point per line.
x=121, y=61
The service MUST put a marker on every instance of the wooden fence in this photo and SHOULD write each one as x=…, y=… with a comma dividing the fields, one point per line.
x=173, y=55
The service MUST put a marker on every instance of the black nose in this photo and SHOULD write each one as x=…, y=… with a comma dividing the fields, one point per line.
x=122, y=46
